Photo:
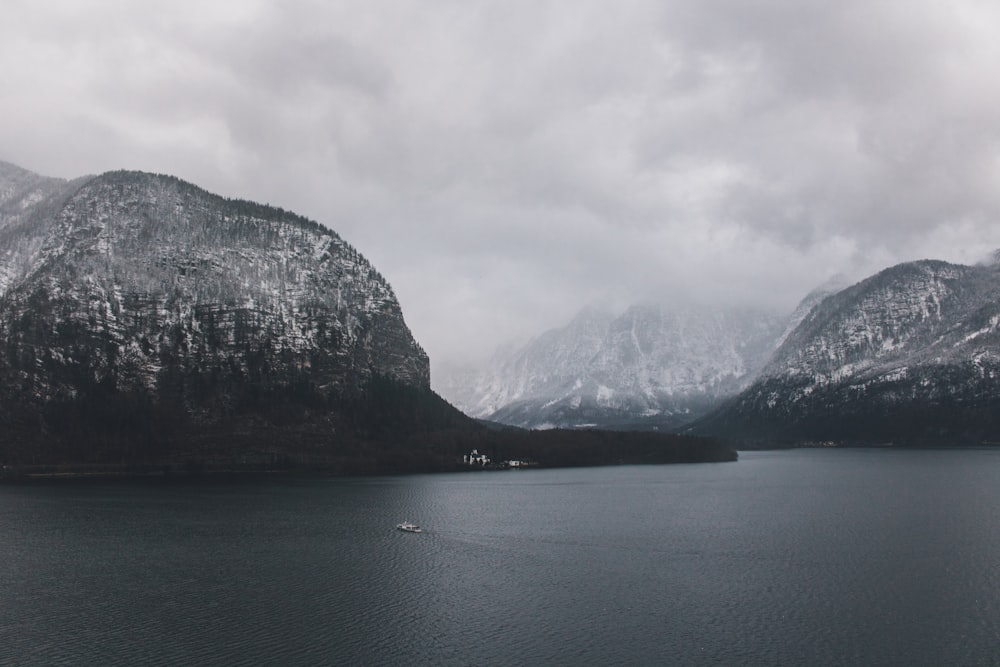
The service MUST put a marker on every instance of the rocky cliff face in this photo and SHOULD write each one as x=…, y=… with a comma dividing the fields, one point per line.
x=652, y=366
x=145, y=293
x=910, y=354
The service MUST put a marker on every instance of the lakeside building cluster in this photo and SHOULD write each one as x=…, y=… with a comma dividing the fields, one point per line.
x=476, y=460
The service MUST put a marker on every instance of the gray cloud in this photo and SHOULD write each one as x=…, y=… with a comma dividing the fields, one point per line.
x=505, y=163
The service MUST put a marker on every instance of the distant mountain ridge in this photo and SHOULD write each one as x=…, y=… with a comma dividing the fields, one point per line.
x=911, y=354
x=653, y=366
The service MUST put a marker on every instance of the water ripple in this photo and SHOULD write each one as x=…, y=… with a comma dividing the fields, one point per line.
x=784, y=558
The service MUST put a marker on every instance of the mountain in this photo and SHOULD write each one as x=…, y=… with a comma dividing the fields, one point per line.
x=911, y=355
x=27, y=202
x=146, y=324
x=137, y=308
x=810, y=301
x=653, y=366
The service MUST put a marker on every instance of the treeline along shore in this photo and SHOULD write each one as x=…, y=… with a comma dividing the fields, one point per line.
x=435, y=452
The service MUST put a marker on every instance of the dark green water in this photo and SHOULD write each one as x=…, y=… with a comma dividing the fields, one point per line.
x=788, y=558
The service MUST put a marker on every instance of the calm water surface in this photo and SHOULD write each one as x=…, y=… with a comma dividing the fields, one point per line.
x=787, y=558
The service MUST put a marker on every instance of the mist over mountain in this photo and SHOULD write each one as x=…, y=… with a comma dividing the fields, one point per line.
x=909, y=355
x=810, y=301
x=653, y=366
x=27, y=203
x=143, y=319
x=148, y=324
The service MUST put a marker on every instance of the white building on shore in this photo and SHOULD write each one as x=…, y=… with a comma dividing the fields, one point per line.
x=475, y=458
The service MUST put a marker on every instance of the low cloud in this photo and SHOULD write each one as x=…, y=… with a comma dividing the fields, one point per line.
x=505, y=164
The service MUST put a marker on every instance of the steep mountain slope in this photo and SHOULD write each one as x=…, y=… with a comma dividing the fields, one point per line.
x=911, y=354
x=810, y=301
x=652, y=366
x=138, y=307
x=27, y=202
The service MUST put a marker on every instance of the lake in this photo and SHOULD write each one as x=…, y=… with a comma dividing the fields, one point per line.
x=819, y=557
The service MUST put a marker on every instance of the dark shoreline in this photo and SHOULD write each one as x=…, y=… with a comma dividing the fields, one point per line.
x=43, y=474
x=784, y=446
x=436, y=451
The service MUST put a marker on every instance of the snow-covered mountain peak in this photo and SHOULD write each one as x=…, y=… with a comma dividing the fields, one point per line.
x=651, y=361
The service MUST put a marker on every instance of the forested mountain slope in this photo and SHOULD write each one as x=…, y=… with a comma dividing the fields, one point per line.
x=910, y=355
x=134, y=306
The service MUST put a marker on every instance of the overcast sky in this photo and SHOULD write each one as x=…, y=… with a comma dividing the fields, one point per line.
x=505, y=163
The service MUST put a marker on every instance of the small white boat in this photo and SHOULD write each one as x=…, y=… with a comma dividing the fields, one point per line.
x=409, y=527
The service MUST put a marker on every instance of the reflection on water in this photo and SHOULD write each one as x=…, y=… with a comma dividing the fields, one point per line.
x=803, y=557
